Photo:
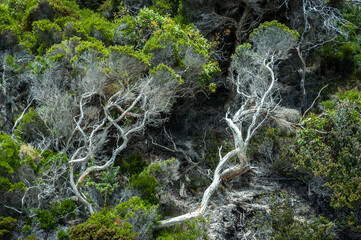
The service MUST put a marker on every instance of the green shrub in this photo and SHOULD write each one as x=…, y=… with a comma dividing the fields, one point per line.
x=150, y=178
x=31, y=237
x=6, y=225
x=9, y=161
x=50, y=218
x=129, y=220
x=140, y=214
x=49, y=158
x=102, y=225
x=92, y=25
x=163, y=7
x=125, y=31
x=46, y=219
x=46, y=34
x=147, y=184
x=169, y=43
x=284, y=225
x=282, y=222
x=327, y=150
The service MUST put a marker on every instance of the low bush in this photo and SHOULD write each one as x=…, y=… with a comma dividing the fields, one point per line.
x=194, y=229
x=147, y=184
x=133, y=219
x=153, y=177
x=6, y=225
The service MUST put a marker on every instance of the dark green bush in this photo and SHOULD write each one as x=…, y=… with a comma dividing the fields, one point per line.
x=45, y=34
x=133, y=164
x=91, y=4
x=50, y=218
x=8, y=39
x=46, y=219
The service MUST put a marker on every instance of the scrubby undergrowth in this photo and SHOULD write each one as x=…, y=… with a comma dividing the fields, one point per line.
x=112, y=115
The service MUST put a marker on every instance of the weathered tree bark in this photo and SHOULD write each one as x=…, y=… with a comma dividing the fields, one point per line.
x=303, y=80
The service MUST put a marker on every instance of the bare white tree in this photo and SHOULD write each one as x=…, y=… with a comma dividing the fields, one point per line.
x=252, y=73
x=321, y=24
x=126, y=112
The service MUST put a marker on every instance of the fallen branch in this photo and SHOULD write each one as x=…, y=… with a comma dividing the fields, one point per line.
x=218, y=175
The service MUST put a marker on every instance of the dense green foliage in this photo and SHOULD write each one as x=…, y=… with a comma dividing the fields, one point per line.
x=328, y=150
x=13, y=155
x=158, y=39
x=103, y=225
x=106, y=184
x=147, y=184
x=9, y=160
